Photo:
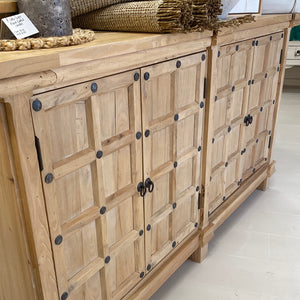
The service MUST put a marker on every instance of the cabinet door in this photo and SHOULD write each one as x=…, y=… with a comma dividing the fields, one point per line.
x=262, y=97
x=172, y=113
x=229, y=107
x=92, y=164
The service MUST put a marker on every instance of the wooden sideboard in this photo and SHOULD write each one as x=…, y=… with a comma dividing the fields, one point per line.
x=121, y=157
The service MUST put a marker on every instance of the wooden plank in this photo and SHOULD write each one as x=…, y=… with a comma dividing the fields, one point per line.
x=296, y=20
x=16, y=277
x=8, y=7
x=27, y=169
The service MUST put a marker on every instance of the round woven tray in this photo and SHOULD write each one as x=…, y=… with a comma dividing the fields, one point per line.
x=79, y=36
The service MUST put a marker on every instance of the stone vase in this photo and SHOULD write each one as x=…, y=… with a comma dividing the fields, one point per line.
x=52, y=18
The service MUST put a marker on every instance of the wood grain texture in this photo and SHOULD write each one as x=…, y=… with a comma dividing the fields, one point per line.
x=8, y=7
x=14, y=257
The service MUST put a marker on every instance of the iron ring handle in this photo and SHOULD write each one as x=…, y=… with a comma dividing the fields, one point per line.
x=149, y=185
x=142, y=189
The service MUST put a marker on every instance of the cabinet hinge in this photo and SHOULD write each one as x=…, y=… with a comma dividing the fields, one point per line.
x=270, y=138
x=280, y=60
x=204, y=88
x=199, y=200
x=39, y=153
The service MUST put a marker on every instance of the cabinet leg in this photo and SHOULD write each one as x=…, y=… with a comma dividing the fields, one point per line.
x=200, y=254
x=264, y=185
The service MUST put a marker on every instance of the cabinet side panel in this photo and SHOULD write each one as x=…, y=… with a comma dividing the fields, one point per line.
x=15, y=274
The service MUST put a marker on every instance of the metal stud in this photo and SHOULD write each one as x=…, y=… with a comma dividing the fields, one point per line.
x=273, y=101
x=197, y=189
x=103, y=210
x=253, y=170
x=107, y=259
x=176, y=117
x=49, y=178
x=148, y=227
x=252, y=81
x=147, y=133
x=99, y=154
x=256, y=43
x=266, y=159
x=138, y=135
x=216, y=98
x=237, y=48
x=146, y=76
x=226, y=164
x=64, y=296
x=282, y=35
x=136, y=76
x=37, y=105
x=266, y=75
x=141, y=232
x=253, y=43
x=174, y=205
x=149, y=267
x=94, y=87
x=213, y=140
x=201, y=104
x=58, y=240
x=278, y=69
x=199, y=148
x=203, y=57
x=210, y=178
x=271, y=38
x=178, y=64
x=249, y=82
x=261, y=109
x=224, y=198
x=269, y=132
x=174, y=244
x=256, y=141
x=219, y=53
x=229, y=128
x=233, y=88
x=196, y=224
x=142, y=274
x=175, y=164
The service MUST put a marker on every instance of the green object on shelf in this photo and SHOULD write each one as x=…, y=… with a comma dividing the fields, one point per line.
x=295, y=34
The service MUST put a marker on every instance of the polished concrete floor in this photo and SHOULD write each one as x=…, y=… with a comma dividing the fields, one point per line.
x=255, y=254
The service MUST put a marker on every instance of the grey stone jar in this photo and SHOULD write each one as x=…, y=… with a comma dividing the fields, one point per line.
x=51, y=17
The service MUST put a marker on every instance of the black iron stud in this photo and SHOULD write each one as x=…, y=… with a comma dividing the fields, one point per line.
x=249, y=82
x=203, y=57
x=219, y=53
x=136, y=76
x=49, y=178
x=252, y=81
x=278, y=69
x=107, y=259
x=256, y=141
x=142, y=274
x=273, y=101
x=253, y=170
x=233, y=88
x=266, y=159
x=197, y=189
x=102, y=210
x=146, y=76
x=94, y=87
x=199, y=148
x=216, y=98
x=237, y=48
x=64, y=296
x=175, y=164
x=213, y=140
x=196, y=224
x=174, y=244
x=148, y=227
x=201, y=104
x=176, y=117
x=210, y=178
x=224, y=198
x=229, y=128
x=271, y=38
x=269, y=132
x=141, y=232
x=178, y=64
x=37, y=105
x=253, y=43
x=256, y=43
x=266, y=75
x=99, y=154
x=261, y=109
x=138, y=135
x=282, y=35
x=226, y=164
x=149, y=267
x=147, y=133
x=58, y=240
x=174, y=205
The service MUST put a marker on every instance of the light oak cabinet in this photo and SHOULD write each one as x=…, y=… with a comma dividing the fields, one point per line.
x=120, y=193
x=242, y=112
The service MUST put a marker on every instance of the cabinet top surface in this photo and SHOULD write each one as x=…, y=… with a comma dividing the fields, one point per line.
x=106, y=44
x=296, y=20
